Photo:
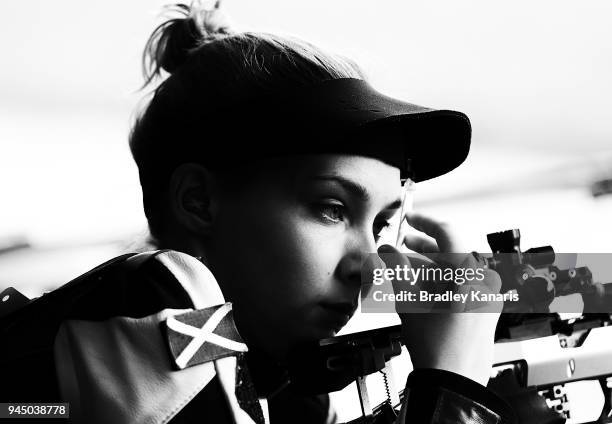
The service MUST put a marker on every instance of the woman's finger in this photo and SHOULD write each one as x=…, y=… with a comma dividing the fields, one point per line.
x=394, y=259
x=437, y=230
x=491, y=281
x=420, y=244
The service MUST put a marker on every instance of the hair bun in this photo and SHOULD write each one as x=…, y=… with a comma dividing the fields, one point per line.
x=172, y=42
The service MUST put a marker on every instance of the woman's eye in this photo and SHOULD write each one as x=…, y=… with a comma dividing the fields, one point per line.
x=332, y=212
x=379, y=229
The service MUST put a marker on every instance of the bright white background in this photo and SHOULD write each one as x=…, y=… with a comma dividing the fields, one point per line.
x=534, y=77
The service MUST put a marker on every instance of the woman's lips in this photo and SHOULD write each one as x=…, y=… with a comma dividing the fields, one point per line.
x=337, y=315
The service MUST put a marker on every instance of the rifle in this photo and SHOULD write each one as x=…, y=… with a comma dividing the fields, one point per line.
x=575, y=349
x=537, y=352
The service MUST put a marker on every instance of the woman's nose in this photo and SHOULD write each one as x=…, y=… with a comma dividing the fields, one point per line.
x=359, y=251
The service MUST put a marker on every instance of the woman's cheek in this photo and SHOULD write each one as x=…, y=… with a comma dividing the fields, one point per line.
x=319, y=249
x=293, y=255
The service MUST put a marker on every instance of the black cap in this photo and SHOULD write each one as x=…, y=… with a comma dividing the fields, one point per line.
x=348, y=116
x=344, y=116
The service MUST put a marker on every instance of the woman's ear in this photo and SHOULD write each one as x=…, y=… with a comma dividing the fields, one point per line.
x=193, y=198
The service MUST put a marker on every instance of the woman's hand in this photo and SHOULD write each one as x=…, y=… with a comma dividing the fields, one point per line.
x=449, y=338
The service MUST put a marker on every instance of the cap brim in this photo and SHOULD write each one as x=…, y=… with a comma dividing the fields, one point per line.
x=349, y=116
x=423, y=145
x=343, y=116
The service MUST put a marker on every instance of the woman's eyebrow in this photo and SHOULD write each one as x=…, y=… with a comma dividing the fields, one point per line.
x=394, y=205
x=354, y=188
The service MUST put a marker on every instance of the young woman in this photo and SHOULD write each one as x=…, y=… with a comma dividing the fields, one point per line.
x=277, y=166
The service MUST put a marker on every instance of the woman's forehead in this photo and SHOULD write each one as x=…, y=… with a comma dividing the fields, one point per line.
x=349, y=164
x=372, y=175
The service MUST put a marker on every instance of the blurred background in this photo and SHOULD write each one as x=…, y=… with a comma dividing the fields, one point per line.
x=534, y=77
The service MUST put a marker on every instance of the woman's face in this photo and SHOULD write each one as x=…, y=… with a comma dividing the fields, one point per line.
x=288, y=251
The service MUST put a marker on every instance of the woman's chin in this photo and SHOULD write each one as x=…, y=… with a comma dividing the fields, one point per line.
x=324, y=331
x=312, y=332
x=329, y=333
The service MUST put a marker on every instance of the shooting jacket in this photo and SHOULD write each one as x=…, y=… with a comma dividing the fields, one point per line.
x=149, y=338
